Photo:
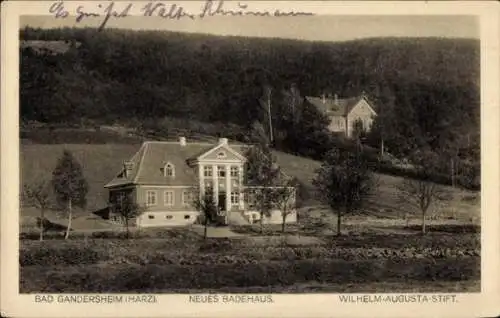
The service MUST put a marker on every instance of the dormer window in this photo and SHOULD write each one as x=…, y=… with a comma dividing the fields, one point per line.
x=221, y=155
x=127, y=169
x=168, y=170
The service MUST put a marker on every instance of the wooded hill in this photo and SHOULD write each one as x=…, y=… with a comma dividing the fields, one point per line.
x=426, y=90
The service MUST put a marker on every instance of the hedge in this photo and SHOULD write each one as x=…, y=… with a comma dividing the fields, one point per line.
x=181, y=234
x=72, y=254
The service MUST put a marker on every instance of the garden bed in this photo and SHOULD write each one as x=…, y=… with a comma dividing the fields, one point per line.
x=151, y=278
x=214, y=251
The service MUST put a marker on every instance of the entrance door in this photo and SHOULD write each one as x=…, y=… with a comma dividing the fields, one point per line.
x=222, y=208
x=222, y=201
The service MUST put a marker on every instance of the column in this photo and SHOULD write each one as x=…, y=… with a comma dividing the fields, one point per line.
x=228, y=187
x=228, y=191
x=215, y=181
x=201, y=180
x=240, y=183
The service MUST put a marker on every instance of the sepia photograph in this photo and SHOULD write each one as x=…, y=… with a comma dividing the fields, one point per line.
x=157, y=161
x=232, y=153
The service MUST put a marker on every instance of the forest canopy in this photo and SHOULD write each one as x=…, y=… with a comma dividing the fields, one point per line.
x=425, y=90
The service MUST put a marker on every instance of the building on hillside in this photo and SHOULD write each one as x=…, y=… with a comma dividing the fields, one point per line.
x=344, y=113
x=165, y=177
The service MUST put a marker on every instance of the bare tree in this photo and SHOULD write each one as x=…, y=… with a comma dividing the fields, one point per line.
x=264, y=198
x=262, y=176
x=38, y=195
x=421, y=192
x=284, y=198
x=128, y=209
x=205, y=204
x=69, y=184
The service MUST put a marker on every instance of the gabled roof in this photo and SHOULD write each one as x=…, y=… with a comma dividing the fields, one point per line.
x=239, y=156
x=336, y=107
x=152, y=157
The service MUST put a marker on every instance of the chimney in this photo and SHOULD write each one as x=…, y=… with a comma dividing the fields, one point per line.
x=182, y=141
x=222, y=141
x=336, y=99
x=323, y=98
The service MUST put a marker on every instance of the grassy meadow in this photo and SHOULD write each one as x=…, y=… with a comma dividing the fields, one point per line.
x=101, y=162
x=381, y=249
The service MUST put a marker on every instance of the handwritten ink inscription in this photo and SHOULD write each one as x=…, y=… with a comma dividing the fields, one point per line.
x=172, y=11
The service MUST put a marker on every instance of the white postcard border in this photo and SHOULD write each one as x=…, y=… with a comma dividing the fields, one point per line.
x=317, y=305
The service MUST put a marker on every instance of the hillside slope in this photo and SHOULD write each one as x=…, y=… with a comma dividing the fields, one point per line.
x=101, y=162
x=211, y=78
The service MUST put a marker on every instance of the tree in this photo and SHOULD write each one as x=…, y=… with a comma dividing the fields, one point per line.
x=38, y=195
x=69, y=184
x=305, y=128
x=422, y=192
x=358, y=131
x=344, y=182
x=257, y=133
x=205, y=204
x=262, y=175
x=127, y=209
x=284, y=197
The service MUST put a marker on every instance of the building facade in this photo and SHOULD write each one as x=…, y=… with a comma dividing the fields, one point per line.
x=345, y=113
x=167, y=177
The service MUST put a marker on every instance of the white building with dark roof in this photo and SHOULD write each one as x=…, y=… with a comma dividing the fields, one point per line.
x=162, y=176
x=345, y=112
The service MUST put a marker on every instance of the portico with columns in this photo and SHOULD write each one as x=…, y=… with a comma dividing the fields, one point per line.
x=221, y=169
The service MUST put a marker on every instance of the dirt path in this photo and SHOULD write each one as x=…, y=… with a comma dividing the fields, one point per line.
x=216, y=232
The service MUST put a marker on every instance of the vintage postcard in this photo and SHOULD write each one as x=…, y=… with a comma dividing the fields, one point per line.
x=250, y=159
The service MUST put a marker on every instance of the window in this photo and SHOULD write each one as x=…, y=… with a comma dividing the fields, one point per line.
x=120, y=196
x=207, y=171
x=187, y=198
x=187, y=216
x=234, y=184
x=169, y=198
x=208, y=185
x=150, y=216
x=168, y=170
x=235, y=171
x=221, y=171
x=235, y=198
x=221, y=155
x=168, y=217
x=151, y=197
